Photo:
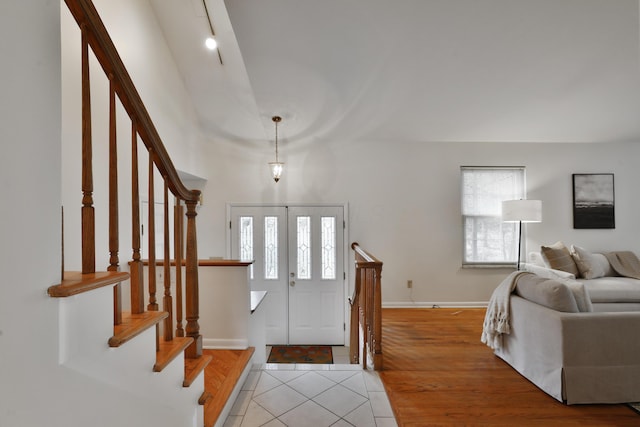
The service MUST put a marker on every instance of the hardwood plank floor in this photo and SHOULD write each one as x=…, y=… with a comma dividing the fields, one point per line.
x=438, y=373
x=220, y=377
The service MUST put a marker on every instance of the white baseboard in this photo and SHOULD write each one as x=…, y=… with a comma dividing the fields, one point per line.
x=437, y=304
x=224, y=344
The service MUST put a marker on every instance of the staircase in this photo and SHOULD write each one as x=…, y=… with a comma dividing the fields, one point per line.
x=138, y=347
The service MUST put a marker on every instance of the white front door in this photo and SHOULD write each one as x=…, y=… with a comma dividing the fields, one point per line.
x=298, y=259
x=260, y=234
x=316, y=275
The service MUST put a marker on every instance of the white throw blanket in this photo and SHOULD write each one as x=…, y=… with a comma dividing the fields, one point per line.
x=496, y=319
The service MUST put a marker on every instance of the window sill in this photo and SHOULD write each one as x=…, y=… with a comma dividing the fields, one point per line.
x=492, y=266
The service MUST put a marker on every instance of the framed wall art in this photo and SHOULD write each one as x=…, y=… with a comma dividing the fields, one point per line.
x=593, y=200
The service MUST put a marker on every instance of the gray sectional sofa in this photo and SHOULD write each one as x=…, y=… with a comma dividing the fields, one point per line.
x=576, y=338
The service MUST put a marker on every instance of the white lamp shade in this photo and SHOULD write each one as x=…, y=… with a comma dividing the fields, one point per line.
x=522, y=210
x=276, y=170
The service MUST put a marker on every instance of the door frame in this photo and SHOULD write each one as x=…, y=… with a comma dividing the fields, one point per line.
x=346, y=288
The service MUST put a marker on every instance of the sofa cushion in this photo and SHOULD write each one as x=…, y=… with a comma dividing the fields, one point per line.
x=558, y=257
x=613, y=289
x=590, y=265
x=547, y=292
x=578, y=289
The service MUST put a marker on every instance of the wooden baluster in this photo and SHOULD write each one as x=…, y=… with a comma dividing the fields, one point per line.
x=136, y=268
x=363, y=319
x=61, y=243
x=153, y=303
x=369, y=306
x=88, y=213
x=167, y=301
x=178, y=236
x=192, y=299
x=114, y=262
x=354, y=354
x=377, y=320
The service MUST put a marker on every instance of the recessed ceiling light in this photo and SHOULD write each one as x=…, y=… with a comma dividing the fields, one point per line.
x=211, y=43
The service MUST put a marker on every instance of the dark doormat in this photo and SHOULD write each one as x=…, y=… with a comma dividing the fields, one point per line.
x=301, y=354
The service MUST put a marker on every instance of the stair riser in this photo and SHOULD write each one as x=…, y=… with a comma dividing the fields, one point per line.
x=86, y=324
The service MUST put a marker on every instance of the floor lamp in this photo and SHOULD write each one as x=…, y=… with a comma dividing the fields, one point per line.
x=521, y=211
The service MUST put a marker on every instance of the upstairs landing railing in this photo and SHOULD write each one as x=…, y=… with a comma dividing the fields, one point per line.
x=366, y=310
x=94, y=36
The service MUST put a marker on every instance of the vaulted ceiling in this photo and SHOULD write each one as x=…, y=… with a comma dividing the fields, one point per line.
x=411, y=70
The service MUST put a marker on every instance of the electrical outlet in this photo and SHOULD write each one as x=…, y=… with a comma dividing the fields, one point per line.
x=409, y=284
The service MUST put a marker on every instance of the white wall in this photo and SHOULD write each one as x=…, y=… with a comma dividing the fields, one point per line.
x=404, y=202
x=30, y=211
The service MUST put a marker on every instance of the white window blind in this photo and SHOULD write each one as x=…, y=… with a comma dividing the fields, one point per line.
x=488, y=240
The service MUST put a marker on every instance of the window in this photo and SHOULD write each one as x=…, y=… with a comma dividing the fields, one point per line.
x=304, y=247
x=488, y=240
x=328, y=237
x=271, y=247
x=246, y=241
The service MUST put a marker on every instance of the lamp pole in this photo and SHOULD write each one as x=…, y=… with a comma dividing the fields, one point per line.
x=519, y=242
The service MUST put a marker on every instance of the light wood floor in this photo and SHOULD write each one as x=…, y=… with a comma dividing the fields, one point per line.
x=220, y=377
x=438, y=373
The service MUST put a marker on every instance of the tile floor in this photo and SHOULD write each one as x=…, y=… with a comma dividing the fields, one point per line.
x=310, y=395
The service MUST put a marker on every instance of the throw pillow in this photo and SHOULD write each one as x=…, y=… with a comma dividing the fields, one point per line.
x=588, y=264
x=558, y=257
x=549, y=293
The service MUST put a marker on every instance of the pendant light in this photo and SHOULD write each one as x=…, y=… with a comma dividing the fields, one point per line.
x=277, y=166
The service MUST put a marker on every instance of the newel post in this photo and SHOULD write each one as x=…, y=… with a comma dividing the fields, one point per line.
x=192, y=304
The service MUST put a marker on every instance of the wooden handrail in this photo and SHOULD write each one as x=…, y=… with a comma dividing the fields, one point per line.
x=364, y=257
x=94, y=36
x=86, y=15
x=366, y=309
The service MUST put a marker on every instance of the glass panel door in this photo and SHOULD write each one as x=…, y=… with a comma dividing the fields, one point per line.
x=257, y=234
x=316, y=290
x=298, y=259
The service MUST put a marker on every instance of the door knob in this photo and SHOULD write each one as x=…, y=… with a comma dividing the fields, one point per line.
x=292, y=283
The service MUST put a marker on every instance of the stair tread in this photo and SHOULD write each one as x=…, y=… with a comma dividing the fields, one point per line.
x=204, y=398
x=134, y=324
x=169, y=350
x=193, y=368
x=221, y=377
x=75, y=282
